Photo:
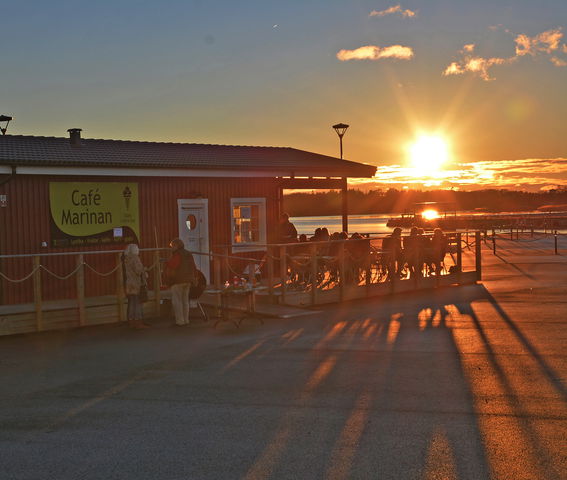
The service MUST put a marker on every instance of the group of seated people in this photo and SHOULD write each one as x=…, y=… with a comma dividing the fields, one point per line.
x=417, y=251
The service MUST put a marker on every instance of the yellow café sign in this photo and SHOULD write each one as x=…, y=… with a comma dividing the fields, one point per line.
x=93, y=213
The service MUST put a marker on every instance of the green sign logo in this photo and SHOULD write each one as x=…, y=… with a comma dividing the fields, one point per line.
x=80, y=209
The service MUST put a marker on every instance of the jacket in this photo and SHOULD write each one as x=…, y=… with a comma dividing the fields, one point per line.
x=181, y=268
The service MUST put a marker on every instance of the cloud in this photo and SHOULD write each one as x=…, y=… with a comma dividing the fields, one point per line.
x=545, y=43
x=477, y=65
x=526, y=174
x=373, y=52
x=558, y=62
x=391, y=10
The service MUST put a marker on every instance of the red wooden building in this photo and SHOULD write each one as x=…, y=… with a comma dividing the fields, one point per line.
x=72, y=194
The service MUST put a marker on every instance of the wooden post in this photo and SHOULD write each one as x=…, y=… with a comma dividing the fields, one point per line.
x=157, y=283
x=478, y=257
x=556, y=243
x=313, y=252
x=81, y=290
x=217, y=267
x=459, y=253
x=37, y=294
x=270, y=259
x=226, y=264
x=342, y=270
x=344, y=195
x=283, y=271
x=120, y=294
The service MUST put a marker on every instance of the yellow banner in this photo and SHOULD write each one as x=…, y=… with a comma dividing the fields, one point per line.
x=81, y=209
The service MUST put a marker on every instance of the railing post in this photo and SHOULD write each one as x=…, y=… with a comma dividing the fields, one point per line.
x=478, y=257
x=226, y=264
x=217, y=267
x=270, y=260
x=342, y=270
x=157, y=283
x=459, y=253
x=120, y=295
x=283, y=271
x=556, y=253
x=37, y=294
x=494, y=245
x=313, y=252
x=81, y=289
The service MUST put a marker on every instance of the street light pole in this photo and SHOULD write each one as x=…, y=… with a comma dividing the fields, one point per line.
x=4, y=118
x=341, y=128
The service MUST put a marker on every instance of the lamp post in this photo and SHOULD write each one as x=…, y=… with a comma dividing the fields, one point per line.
x=340, y=128
x=4, y=118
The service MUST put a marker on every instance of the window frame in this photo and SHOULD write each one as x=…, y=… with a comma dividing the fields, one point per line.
x=260, y=245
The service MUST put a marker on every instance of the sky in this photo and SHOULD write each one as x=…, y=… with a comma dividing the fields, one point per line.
x=487, y=76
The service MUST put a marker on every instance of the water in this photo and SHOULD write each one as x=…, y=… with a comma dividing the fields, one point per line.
x=375, y=224
x=334, y=223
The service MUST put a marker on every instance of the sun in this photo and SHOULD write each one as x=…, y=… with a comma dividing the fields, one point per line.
x=428, y=154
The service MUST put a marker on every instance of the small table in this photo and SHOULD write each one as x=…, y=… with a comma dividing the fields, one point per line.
x=249, y=295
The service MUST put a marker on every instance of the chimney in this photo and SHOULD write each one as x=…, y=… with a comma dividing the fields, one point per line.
x=75, y=136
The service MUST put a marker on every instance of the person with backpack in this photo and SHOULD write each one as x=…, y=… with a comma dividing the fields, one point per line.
x=180, y=275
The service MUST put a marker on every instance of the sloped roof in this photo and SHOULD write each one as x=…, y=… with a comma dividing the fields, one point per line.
x=23, y=150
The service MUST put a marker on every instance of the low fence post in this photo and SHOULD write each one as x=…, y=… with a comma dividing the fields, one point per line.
x=478, y=257
x=226, y=264
x=157, y=283
x=81, y=289
x=556, y=253
x=217, y=266
x=313, y=252
x=342, y=270
x=120, y=289
x=37, y=294
x=270, y=260
x=494, y=245
x=459, y=253
x=283, y=271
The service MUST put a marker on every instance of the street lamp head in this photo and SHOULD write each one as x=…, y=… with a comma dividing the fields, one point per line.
x=340, y=128
x=4, y=118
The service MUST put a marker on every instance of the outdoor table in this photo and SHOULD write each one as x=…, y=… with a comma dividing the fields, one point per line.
x=249, y=295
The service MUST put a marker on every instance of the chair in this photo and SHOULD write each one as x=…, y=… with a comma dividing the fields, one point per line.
x=195, y=293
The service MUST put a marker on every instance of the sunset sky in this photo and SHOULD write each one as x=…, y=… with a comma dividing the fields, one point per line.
x=488, y=76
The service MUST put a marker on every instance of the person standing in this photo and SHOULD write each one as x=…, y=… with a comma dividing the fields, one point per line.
x=134, y=277
x=288, y=232
x=180, y=274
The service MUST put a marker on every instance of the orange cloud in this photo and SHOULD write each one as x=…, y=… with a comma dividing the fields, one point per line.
x=527, y=174
x=373, y=52
x=476, y=65
x=547, y=42
x=391, y=10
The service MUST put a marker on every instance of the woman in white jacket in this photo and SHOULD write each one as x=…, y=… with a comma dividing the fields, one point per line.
x=134, y=277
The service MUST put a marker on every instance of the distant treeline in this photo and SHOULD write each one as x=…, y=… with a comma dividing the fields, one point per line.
x=398, y=201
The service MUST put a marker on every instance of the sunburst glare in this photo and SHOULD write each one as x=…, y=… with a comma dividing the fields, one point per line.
x=428, y=154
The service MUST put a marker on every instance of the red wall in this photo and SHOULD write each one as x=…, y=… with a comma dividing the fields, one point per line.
x=25, y=223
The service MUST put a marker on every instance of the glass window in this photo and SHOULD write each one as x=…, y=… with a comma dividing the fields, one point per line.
x=248, y=223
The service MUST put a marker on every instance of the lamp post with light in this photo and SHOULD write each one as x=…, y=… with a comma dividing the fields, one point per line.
x=4, y=118
x=340, y=128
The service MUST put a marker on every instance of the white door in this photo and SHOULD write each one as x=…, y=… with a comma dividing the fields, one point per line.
x=193, y=215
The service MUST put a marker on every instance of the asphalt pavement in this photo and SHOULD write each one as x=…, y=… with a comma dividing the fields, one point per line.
x=460, y=383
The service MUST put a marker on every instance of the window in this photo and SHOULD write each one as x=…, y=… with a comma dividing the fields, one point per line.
x=248, y=223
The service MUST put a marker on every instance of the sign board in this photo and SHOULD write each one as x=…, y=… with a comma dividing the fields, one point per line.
x=85, y=213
